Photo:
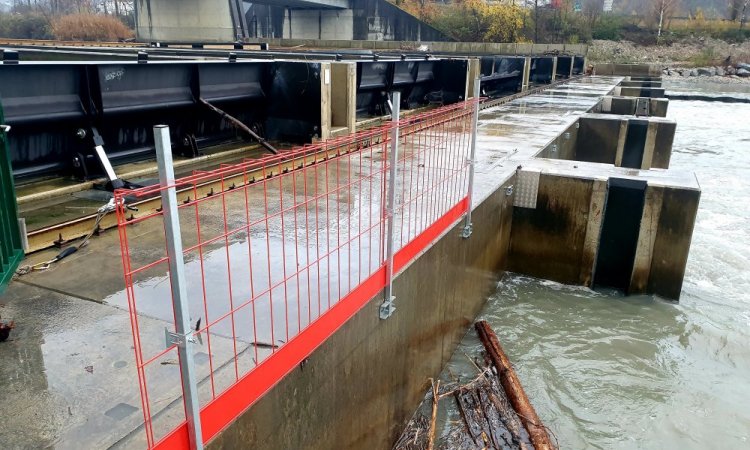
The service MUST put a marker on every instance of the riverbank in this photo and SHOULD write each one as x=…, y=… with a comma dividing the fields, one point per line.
x=692, y=59
x=688, y=53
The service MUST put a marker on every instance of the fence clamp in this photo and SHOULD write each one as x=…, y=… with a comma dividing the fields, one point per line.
x=387, y=308
x=171, y=338
x=467, y=230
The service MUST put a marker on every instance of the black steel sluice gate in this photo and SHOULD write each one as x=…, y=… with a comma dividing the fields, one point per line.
x=421, y=82
x=61, y=112
x=501, y=75
x=619, y=235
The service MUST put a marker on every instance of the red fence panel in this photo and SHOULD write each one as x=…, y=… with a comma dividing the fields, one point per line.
x=279, y=253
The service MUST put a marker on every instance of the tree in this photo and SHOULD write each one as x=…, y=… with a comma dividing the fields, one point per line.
x=476, y=21
x=663, y=9
x=592, y=10
x=742, y=13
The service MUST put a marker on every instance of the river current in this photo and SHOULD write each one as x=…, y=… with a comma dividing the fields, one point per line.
x=611, y=372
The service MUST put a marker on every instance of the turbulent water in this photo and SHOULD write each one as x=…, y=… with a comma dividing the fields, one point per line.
x=606, y=371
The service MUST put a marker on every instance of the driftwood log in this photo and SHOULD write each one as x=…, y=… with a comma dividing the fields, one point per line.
x=513, y=389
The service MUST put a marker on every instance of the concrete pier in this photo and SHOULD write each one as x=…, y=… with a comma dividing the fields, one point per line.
x=624, y=141
x=633, y=106
x=564, y=233
x=638, y=91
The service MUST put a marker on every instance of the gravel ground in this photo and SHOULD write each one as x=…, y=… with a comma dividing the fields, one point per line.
x=689, y=53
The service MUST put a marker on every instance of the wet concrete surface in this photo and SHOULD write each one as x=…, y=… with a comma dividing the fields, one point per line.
x=74, y=316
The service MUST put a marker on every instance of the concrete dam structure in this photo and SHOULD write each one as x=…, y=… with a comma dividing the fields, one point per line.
x=287, y=244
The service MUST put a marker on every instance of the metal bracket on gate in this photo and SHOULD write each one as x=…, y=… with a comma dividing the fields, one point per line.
x=171, y=338
x=387, y=308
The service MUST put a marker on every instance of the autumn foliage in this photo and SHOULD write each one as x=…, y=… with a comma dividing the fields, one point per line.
x=89, y=27
x=471, y=20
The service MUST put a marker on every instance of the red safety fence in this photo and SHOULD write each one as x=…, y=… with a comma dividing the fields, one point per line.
x=279, y=253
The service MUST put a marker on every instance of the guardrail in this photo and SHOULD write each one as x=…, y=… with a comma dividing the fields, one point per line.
x=278, y=259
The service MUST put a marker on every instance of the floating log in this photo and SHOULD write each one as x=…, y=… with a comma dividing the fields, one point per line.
x=513, y=389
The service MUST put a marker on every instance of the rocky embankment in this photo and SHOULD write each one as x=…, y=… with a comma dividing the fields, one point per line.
x=690, y=59
x=739, y=73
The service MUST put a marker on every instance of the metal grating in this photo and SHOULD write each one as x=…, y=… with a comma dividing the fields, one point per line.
x=527, y=186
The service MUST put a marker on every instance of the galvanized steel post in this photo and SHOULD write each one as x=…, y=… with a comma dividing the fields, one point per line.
x=387, y=308
x=466, y=232
x=183, y=335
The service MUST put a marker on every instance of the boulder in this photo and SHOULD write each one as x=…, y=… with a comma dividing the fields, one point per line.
x=720, y=71
x=693, y=72
x=706, y=72
x=745, y=66
x=685, y=73
x=731, y=70
x=744, y=73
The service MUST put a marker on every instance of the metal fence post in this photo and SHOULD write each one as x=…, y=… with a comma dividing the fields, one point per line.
x=183, y=335
x=387, y=307
x=466, y=232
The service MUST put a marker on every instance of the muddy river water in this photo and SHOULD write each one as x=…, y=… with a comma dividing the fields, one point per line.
x=613, y=372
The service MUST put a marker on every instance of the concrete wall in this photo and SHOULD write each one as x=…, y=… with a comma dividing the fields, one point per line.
x=464, y=48
x=548, y=241
x=318, y=24
x=663, y=249
x=370, y=375
x=563, y=146
x=657, y=107
x=558, y=238
x=651, y=92
x=601, y=139
x=184, y=21
x=631, y=83
x=635, y=70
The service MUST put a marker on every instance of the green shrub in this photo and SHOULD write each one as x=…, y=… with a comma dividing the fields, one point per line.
x=24, y=26
x=608, y=28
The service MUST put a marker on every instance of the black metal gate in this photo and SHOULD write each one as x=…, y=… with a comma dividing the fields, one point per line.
x=635, y=143
x=620, y=229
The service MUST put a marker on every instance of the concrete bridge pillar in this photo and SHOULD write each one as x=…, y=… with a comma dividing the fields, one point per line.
x=189, y=20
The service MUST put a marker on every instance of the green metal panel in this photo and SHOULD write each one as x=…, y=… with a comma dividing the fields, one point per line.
x=11, y=250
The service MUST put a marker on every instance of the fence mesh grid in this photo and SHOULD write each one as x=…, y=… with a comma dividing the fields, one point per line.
x=271, y=246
